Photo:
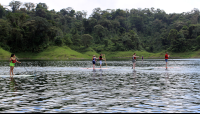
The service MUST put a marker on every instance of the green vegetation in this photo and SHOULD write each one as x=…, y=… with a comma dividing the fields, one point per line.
x=32, y=31
x=65, y=53
x=57, y=53
x=4, y=54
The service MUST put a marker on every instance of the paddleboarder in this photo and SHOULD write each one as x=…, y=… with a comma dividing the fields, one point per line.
x=166, y=58
x=134, y=60
x=94, y=60
x=12, y=61
x=100, y=59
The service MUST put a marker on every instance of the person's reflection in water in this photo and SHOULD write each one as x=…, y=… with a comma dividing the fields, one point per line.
x=13, y=87
x=166, y=78
x=12, y=84
x=166, y=83
x=94, y=75
x=96, y=78
x=134, y=78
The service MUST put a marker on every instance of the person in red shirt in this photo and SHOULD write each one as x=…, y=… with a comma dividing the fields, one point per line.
x=100, y=59
x=166, y=58
x=134, y=60
x=12, y=61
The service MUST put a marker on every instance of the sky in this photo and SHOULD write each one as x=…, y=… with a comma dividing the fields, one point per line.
x=169, y=6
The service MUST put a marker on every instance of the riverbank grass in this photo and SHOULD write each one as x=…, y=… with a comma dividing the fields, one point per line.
x=56, y=53
x=4, y=54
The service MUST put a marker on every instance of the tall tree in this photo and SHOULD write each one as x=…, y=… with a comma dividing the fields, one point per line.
x=15, y=5
x=87, y=40
x=29, y=6
x=2, y=11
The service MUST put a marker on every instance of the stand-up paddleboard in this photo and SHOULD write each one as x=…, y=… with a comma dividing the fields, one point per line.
x=167, y=67
x=143, y=68
x=94, y=68
x=15, y=76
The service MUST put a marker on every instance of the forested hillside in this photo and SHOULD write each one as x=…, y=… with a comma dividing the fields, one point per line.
x=29, y=27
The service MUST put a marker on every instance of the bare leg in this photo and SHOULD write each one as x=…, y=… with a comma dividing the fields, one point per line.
x=93, y=66
x=11, y=70
x=134, y=66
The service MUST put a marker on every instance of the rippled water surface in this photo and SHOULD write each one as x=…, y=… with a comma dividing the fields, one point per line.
x=68, y=86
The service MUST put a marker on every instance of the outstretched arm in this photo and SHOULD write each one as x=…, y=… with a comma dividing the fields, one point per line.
x=18, y=62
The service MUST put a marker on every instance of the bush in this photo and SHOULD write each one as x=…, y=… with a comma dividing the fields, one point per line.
x=58, y=41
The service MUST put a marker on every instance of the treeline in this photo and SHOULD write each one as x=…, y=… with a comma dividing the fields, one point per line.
x=32, y=28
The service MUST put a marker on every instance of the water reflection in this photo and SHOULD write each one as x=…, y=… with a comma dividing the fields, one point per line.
x=64, y=86
x=13, y=88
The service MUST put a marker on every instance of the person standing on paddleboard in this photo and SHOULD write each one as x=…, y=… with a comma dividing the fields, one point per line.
x=100, y=59
x=12, y=61
x=94, y=60
x=166, y=58
x=134, y=60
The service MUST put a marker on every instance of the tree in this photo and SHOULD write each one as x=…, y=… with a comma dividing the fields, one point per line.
x=99, y=31
x=4, y=33
x=96, y=13
x=178, y=25
x=17, y=19
x=76, y=39
x=41, y=10
x=58, y=41
x=67, y=40
x=172, y=35
x=87, y=40
x=198, y=41
x=15, y=5
x=79, y=15
x=38, y=33
x=29, y=6
x=43, y=5
x=2, y=11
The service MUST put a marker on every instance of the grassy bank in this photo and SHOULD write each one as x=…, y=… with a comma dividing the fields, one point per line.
x=147, y=55
x=4, y=55
x=65, y=53
x=56, y=53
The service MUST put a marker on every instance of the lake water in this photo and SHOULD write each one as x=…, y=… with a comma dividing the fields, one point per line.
x=66, y=87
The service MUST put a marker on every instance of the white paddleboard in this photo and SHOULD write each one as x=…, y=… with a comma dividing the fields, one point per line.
x=144, y=68
x=94, y=68
x=16, y=75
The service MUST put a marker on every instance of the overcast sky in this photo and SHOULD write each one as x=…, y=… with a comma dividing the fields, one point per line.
x=169, y=6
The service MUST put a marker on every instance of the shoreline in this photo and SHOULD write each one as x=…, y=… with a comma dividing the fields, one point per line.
x=106, y=58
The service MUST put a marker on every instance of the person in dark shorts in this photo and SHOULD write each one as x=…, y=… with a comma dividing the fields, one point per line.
x=94, y=60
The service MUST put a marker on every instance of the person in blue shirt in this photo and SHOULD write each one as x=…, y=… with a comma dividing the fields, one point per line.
x=94, y=60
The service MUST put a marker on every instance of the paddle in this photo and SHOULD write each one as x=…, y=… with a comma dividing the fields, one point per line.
x=174, y=61
x=104, y=56
x=23, y=65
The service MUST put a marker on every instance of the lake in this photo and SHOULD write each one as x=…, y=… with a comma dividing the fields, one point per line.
x=69, y=87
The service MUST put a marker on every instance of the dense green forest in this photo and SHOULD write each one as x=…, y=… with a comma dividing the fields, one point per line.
x=33, y=28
